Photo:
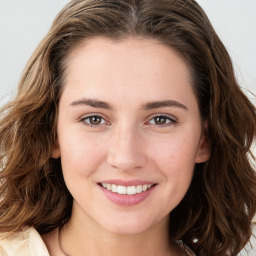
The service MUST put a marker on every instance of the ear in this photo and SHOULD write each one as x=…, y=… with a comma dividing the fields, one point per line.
x=203, y=151
x=55, y=150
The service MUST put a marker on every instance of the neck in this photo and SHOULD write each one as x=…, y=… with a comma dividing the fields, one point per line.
x=86, y=237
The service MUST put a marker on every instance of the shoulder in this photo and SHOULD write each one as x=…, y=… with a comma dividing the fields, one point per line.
x=27, y=242
x=250, y=248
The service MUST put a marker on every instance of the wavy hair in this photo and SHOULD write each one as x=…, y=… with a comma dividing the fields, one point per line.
x=215, y=216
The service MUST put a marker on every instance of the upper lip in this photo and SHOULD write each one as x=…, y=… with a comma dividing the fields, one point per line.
x=127, y=182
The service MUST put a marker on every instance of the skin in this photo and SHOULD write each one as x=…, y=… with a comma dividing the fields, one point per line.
x=127, y=144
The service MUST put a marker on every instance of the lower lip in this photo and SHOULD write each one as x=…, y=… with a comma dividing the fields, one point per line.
x=127, y=200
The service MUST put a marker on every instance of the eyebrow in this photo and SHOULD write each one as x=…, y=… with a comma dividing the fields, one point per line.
x=164, y=103
x=148, y=106
x=91, y=102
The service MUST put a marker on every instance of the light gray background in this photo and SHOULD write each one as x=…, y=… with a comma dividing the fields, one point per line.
x=23, y=23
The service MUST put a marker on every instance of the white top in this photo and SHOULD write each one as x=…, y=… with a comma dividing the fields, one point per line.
x=25, y=243
x=28, y=242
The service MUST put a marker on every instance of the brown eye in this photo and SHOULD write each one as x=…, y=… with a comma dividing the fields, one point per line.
x=160, y=120
x=93, y=120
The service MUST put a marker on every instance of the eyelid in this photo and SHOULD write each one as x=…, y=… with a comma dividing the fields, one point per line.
x=84, y=117
x=173, y=120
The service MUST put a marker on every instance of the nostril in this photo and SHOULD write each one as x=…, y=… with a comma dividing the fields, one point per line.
x=126, y=161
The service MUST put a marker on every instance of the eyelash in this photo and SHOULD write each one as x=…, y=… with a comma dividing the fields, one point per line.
x=93, y=116
x=169, y=119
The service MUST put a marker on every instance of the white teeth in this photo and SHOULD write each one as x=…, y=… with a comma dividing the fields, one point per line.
x=131, y=190
x=139, y=189
x=123, y=190
x=144, y=188
x=114, y=188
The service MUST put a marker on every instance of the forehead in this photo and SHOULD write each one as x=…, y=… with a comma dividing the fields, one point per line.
x=151, y=54
x=102, y=65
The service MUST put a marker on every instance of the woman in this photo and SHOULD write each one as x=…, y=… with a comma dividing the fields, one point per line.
x=128, y=135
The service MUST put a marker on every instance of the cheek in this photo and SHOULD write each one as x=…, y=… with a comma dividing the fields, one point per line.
x=175, y=159
x=80, y=158
x=178, y=150
x=175, y=162
x=80, y=154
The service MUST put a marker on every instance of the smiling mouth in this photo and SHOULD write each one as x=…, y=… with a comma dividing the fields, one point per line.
x=126, y=190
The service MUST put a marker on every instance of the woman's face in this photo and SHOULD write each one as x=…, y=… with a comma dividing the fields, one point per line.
x=129, y=133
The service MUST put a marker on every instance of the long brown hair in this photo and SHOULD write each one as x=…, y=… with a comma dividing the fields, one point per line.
x=214, y=218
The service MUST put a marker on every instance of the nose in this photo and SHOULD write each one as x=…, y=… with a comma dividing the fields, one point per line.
x=127, y=150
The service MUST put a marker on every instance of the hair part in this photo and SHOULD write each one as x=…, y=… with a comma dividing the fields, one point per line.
x=33, y=190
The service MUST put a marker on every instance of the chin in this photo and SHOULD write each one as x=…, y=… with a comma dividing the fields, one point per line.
x=128, y=226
